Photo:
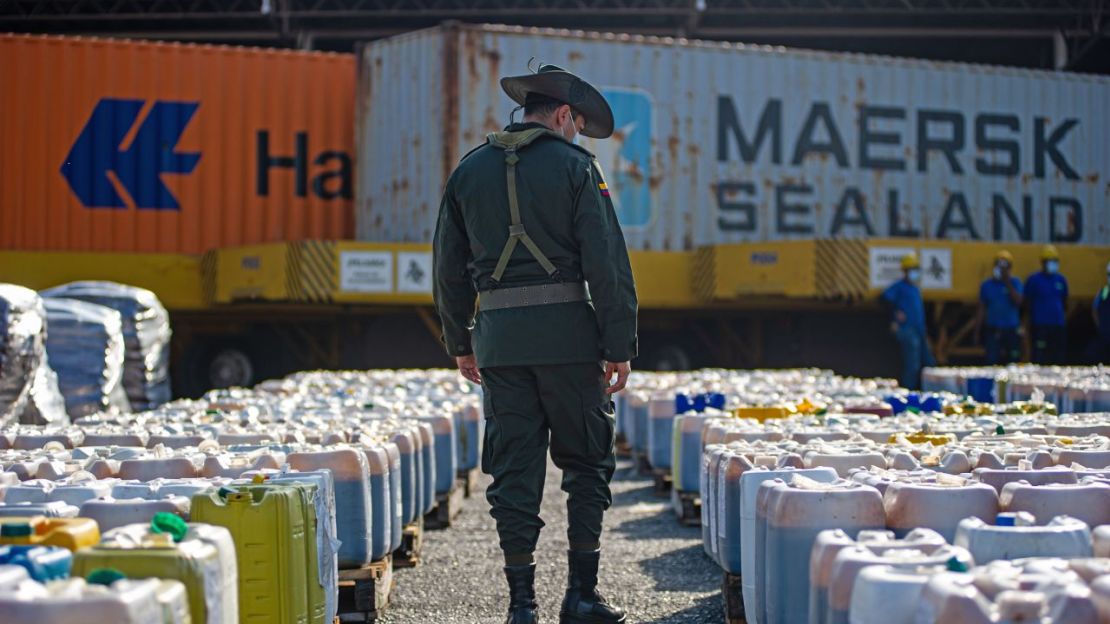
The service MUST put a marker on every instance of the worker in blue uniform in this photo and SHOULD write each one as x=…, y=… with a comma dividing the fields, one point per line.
x=1046, y=292
x=1099, y=351
x=903, y=298
x=1000, y=308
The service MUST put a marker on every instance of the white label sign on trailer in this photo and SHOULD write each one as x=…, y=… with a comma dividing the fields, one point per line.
x=936, y=269
x=414, y=271
x=886, y=264
x=366, y=271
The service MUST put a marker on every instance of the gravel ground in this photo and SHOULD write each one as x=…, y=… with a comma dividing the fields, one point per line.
x=651, y=566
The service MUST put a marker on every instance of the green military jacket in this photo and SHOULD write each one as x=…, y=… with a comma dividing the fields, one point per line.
x=566, y=209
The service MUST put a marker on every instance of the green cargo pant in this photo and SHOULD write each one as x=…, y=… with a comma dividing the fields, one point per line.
x=526, y=406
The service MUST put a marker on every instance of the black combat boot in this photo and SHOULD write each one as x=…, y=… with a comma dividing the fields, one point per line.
x=522, y=594
x=583, y=604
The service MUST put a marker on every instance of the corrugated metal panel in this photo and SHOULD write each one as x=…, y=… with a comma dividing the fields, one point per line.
x=400, y=134
x=845, y=149
x=144, y=147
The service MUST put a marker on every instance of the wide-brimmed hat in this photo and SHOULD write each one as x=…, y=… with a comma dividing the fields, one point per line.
x=556, y=82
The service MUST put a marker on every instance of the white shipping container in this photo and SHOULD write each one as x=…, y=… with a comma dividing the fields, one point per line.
x=720, y=142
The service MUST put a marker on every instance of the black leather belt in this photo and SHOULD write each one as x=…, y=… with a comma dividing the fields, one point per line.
x=525, y=296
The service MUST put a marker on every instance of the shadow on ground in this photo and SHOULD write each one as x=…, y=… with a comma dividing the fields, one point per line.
x=708, y=609
x=695, y=578
x=654, y=522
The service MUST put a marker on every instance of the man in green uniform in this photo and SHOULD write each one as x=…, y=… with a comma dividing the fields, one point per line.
x=527, y=227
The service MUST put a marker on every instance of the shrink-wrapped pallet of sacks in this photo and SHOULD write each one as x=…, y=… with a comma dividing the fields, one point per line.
x=86, y=350
x=146, y=336
x=28, y=387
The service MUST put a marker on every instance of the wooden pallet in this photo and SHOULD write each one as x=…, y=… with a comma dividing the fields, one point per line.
x=468, y=481
x=687, y=506
x=663, y=482
x=732, y=592
x=364, y=592
x=447, y=508
x=412, y=542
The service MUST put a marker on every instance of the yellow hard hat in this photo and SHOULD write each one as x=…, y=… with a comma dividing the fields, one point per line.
x=909, y=261
x=1049, y=253
x=1004, y=255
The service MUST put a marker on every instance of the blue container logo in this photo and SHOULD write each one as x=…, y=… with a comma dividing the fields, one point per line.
x=99, y=150
x=625, y=157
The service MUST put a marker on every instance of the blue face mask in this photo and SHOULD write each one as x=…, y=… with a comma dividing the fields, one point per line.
x=914, y=275
x=997, y=272
x=1052, y=266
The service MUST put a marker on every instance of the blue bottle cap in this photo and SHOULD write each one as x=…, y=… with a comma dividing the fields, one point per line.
x=717, y=400
x=682, y=403
x=700, y=402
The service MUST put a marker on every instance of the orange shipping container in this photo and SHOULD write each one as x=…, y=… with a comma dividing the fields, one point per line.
x=133, y=146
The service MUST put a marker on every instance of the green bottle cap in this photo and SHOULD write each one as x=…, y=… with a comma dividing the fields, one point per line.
x=955, y=565
x=999, y=430
x=16, y=529
x=165, y=522
x=104, y=576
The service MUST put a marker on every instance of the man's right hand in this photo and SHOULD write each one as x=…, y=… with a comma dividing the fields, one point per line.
x=468, y=366
x=621, y=370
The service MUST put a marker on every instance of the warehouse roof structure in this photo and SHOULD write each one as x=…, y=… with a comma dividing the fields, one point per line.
x=1060, y=34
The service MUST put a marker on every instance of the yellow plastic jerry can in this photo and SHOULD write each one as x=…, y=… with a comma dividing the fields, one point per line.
x=268, y=526
x=317, y=600
x=68, y=533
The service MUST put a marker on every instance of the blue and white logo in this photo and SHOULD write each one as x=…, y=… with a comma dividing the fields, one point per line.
x=626, y=156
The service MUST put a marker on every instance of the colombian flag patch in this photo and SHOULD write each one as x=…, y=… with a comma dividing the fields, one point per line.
x=604, y=188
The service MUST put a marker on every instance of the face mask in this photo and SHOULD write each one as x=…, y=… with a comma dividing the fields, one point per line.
x=571, y=133
x=914, y=275
x=1052, y=266
x=997, y=272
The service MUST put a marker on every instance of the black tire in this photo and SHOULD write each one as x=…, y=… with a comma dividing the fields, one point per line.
x=216, y=363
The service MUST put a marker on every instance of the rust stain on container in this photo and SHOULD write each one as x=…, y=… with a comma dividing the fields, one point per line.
x=672, y=146
x=144, y=147
x=450, y=99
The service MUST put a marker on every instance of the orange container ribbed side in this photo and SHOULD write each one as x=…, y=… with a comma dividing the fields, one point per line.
x=130, y=146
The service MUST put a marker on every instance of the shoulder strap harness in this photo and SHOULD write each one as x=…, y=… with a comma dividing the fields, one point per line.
x=512, y=142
